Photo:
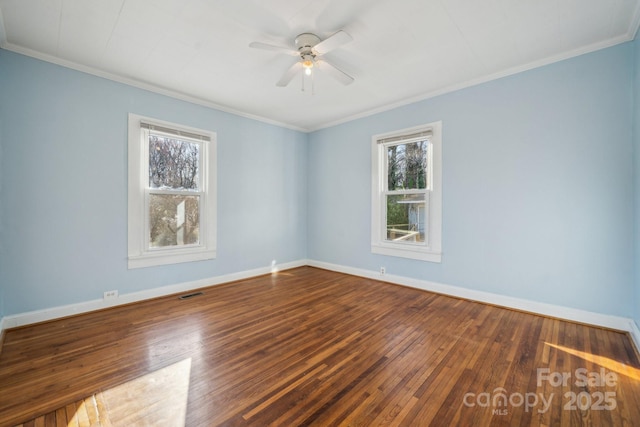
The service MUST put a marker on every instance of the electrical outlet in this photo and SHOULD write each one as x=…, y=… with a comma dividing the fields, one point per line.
x=382, y=271
x=110, y=294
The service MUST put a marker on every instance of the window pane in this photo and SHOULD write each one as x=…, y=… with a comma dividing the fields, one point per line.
x=407, y=166
x=173, y=220
x=173, y=164
x=406, y=217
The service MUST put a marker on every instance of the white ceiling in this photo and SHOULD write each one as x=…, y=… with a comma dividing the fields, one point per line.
x=402, y=50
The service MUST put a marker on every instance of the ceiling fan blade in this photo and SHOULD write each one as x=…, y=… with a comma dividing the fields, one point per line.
x=289, y=74
x=334, y=72
x=334, y=41
x=266, y=46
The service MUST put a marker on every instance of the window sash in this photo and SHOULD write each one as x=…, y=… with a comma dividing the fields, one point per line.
x=147, y=219
x=385, y=159
x=146, y=130
x=384, y=223
x=202, y=171
x=384, y=144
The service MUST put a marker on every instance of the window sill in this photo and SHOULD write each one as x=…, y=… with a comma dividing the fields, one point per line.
x=422, y=254
x=170, y=257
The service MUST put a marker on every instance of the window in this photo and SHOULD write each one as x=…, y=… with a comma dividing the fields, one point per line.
x=406, y=200
x=172, y=193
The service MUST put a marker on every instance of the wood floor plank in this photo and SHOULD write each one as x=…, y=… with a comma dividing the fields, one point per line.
x=311, y=347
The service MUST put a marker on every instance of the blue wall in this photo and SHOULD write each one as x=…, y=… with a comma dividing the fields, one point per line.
x=538, y=180
x=64, y=198
x=537, y=186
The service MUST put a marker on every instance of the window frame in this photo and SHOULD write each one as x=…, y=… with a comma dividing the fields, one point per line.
x=140, y=252
x=431, y=249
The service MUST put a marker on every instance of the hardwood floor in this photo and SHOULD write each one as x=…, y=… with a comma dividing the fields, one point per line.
x=313, y=347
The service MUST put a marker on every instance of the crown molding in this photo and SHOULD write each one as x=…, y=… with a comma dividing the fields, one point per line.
x=141, y=84
x=629, y=36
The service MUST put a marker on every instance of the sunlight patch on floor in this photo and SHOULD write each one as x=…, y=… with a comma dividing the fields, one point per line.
x=156, y=399
x=605, y=362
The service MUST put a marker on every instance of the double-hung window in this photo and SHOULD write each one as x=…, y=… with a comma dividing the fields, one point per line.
x=172, y=193
x=407, y=193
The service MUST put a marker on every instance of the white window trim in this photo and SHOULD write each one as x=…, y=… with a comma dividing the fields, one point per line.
x=379, y=245
x=139, y=254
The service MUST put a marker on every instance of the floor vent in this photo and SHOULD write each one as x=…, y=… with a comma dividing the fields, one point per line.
x=188, y=296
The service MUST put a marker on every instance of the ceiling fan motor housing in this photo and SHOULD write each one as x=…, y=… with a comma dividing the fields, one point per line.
x=305, y=43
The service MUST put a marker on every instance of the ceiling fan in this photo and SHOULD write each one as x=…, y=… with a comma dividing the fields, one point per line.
x=310, y=49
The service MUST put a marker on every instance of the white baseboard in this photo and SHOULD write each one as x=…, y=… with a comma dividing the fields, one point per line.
x=37, y=316
x=572, y=314
x=634, y=333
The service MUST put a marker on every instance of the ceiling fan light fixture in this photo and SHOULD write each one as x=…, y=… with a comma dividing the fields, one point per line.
x=307, y=63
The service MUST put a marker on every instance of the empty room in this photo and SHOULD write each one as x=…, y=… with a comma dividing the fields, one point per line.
x=319, y=212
